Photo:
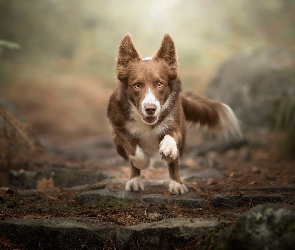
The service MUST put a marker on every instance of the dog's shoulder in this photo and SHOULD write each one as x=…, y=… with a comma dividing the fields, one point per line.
x=118, y=109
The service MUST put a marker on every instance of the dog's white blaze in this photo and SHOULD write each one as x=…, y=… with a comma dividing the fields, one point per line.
x=150, y=99
x=176, y=187
x=168, y=147
x=140, y=159
x=135, y=184
x=148, y=58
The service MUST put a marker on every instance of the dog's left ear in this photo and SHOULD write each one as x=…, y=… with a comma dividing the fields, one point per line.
x=168, y=54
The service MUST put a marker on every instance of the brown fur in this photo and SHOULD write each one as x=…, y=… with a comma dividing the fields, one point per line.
x=136, y=78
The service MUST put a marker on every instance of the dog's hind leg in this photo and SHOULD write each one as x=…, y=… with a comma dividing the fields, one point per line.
x=175, y=185
x=135, y=183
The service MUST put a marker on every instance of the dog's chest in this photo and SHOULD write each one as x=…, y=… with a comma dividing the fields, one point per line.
x=148, y=136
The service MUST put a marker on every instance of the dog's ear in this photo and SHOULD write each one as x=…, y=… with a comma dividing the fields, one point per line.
x=167, y=53
x=126, y=54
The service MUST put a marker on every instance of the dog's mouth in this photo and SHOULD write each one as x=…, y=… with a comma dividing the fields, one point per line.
x=150, y=119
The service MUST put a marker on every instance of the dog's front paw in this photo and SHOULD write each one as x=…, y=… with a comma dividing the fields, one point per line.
x=140, y=159
x=177, y=188
x=135, y=184
x=168, y=148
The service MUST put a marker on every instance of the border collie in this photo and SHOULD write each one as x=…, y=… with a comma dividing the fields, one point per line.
x=149, y=112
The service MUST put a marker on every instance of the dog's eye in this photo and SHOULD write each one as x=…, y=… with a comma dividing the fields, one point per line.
x=136, y=86
x=160, y=84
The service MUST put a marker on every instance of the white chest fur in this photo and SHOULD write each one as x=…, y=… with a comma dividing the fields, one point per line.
x=149, y=137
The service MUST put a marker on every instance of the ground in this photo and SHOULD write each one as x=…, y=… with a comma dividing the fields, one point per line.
x=247, y=170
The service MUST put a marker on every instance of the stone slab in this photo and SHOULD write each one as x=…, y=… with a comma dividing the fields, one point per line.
x=168, y=234
x=69, y=234
x=56, y=233
x=231, y=201
x=188, y=200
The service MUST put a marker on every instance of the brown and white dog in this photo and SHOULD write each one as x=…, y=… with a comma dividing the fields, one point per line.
x=148, y=112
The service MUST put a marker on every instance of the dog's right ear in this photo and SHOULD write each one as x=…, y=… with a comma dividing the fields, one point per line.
x=126, y=55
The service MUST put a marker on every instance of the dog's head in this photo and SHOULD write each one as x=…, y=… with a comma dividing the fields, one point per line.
x=149, y=83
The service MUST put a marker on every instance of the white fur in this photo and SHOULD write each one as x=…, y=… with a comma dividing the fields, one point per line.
x=140, y=159
x=148, y=58
x=229, y=123
x=176, y=187
x=135, y=184
x=168, y=147
x=150, y=99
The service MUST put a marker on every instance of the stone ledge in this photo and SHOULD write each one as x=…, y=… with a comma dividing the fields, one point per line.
x=189, y=200
x=231, y=201
x=56, y=233
x=68, y=234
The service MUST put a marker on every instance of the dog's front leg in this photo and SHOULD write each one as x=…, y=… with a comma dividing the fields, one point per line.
x=135, y=183
x=170, y=153
x=130, y=150
x=175, y=185
x=138, y=161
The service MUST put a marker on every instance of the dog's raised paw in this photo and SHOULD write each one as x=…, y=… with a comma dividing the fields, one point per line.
x=177, y=188
x=134, y=184
x=168, y=148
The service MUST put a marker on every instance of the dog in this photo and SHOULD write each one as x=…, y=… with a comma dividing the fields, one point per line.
x=149, y=112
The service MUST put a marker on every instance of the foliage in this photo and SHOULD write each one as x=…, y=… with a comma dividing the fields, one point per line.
x=7, y=44
x=285, y=114
x=285, y=121
x=16, y=138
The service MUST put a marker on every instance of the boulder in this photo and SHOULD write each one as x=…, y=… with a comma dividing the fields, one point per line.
x=254, y=83
x=269, y=226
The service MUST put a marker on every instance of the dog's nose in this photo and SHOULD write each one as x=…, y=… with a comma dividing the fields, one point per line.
x=150, y=109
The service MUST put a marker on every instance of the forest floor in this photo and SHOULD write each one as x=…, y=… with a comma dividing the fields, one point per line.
x=244, y=171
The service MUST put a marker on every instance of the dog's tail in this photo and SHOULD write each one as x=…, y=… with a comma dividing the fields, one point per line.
x=217, y=117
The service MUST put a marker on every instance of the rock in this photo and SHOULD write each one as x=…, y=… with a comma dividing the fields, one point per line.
x=270, y=226
x=168, y=234
x=56, y=233
x=105, y=194
x=154, y=199
x=23, y=178
x=210, y=173
x=265, y=189
x=60, y=176
x=231, y=201
x=63, y=233
x=188, y=200
x=254, y=82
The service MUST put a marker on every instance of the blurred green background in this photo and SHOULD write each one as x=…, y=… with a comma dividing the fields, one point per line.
x=63, y=73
